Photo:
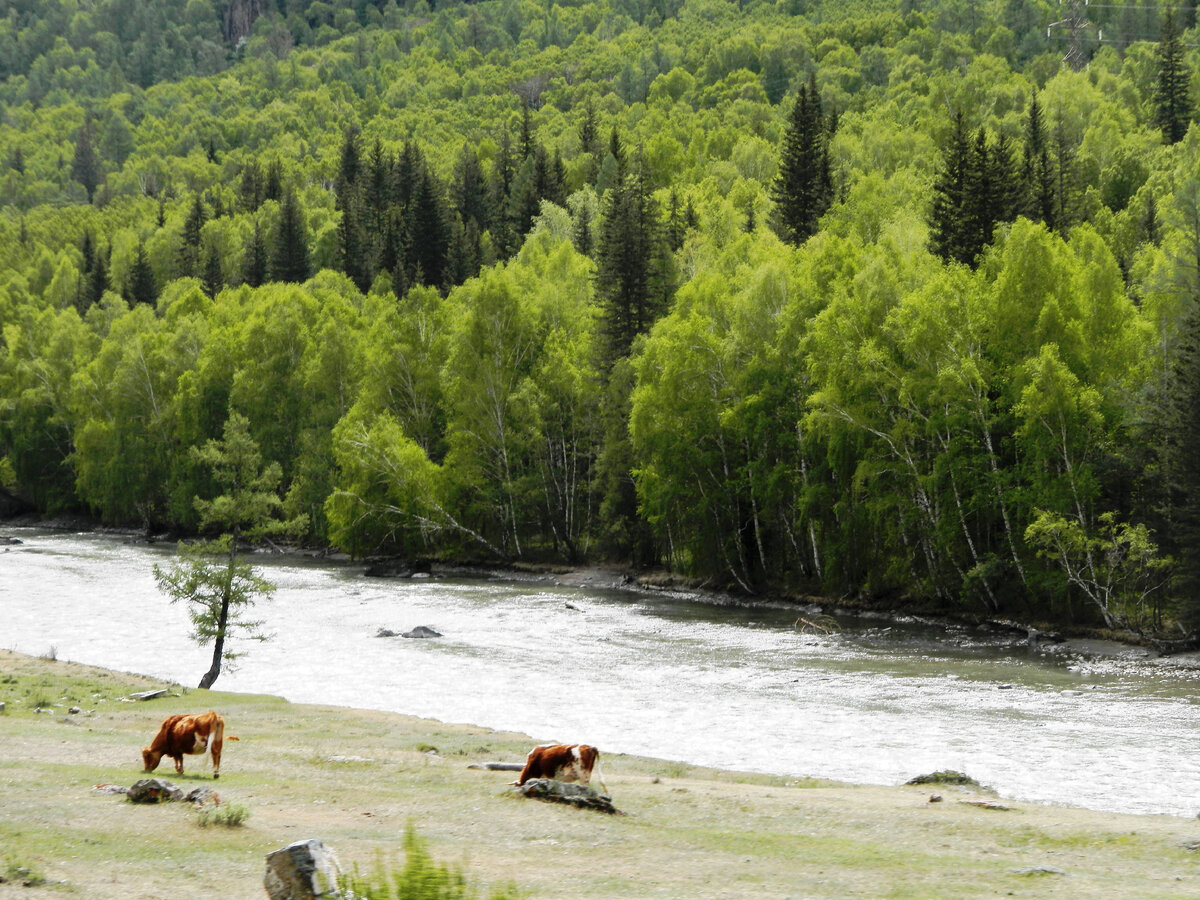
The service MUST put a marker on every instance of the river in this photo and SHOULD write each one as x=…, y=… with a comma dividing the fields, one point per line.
x=731, y=686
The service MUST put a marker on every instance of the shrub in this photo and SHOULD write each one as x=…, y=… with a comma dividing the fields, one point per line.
x=420, y=878
x=231, y=815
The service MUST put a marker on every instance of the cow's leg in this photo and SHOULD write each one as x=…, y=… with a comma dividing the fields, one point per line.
x=218, y=741
x=178, y=764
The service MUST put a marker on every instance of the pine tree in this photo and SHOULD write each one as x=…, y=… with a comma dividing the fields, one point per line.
x=141, y=287
x=189, y=248
x=589, y=135
x=85, y=165
x=254, y=261
x=430, y=232
x=527, y=141
x=250, y=187
x=803, y=189
x=97, y=282
x=289, y=254
x=948, y=233
x=1183, y=465
x=1172, y=100
x=1037, y=175
x=212, y=277
x=633, y=283
x=469, y=189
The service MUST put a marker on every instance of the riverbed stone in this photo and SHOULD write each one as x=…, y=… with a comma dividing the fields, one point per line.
x=422, y=631
x=304, y=870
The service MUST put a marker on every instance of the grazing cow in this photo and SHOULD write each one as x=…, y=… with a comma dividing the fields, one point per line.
x=563, y=762
x=181, y=735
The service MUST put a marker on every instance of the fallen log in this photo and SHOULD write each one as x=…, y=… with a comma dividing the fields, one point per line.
x=498, y=766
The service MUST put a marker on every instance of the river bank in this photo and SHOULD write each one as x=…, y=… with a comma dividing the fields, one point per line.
x=357, y=779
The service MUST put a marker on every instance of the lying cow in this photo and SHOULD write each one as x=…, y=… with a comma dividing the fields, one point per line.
x=184, y=734
x=563, y=762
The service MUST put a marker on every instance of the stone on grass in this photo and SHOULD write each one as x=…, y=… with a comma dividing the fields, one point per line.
x=153, y=790
x=305, y=870
x=578, y=795
x=422, y=631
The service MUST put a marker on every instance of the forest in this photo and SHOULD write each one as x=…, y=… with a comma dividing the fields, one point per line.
x=889, y=301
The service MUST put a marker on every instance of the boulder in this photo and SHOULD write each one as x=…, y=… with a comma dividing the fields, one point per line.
x=397, y=568
x=421, y=631
x=153, y=790
x=578, y=795
x=305, y=870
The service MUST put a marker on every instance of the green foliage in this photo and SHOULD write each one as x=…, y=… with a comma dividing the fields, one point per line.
x=494, y=280
x=421, y=877
x=226, y=815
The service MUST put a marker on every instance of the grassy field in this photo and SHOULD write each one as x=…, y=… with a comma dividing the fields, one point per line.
x=358, y=779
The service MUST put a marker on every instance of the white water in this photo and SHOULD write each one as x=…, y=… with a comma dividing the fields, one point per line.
x=732, y=688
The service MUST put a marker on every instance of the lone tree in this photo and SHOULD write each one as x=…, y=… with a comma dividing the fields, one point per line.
x=218, y=587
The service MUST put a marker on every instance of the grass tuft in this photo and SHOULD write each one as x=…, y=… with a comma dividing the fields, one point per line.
x=230, y=815
x=420, y=878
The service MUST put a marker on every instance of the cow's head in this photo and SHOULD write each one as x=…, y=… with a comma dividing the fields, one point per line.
x=151, y=758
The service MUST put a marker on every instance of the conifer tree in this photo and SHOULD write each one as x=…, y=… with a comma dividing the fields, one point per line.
x=250, y=187
x=1037, y=174
x=633, y=284
x=85, y=165
x=803, y=189
x=947, y=218
x=430, y=232
x=255, y=263
x=1183, y=465
x=1172, y=96
x=189, y=248
x=589, y=135
x=212, y=277
x=141, y=287
x=97, y=281
x=289, y=255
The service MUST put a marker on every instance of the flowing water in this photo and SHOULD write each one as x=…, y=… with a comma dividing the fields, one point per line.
x=737, y=687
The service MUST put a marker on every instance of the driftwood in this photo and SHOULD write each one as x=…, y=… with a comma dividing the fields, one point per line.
x=498, y=766
x=148, y=695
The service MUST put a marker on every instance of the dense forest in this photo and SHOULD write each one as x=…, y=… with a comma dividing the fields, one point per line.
x=890, y=300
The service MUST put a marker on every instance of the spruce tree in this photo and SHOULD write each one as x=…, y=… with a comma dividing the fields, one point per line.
x=1172, y=98
x=1183, y=465
x=289, y=254
x=1037, y=174
x=255, y=265
x=189, y=248
x=141, y=287
x=97, y=282
x=211, y=275
x=633, y=283
x=803, y=189
x=85, y=165
x=948, y=231
x=589, y=135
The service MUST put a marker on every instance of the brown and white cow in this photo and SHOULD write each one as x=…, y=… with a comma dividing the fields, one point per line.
x=563, y=762
x=190, y=735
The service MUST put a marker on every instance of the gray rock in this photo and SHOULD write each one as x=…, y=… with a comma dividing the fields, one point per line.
x=1039, y=870
x=305, y=870
x=153, y=790
x=421, y=631
x=578, y=795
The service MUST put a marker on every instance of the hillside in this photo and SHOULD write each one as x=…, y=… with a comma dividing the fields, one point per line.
x=839, y=298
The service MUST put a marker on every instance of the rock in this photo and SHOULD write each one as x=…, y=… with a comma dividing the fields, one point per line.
x=421, y=631
x=397, y=568
x=945, y=776
x=203, y=796
x=385, y=632
x=1039, y=870
x=578, y=795
x=153, y=790
x=74, y=710
x=305, y=870
x=8, y=541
